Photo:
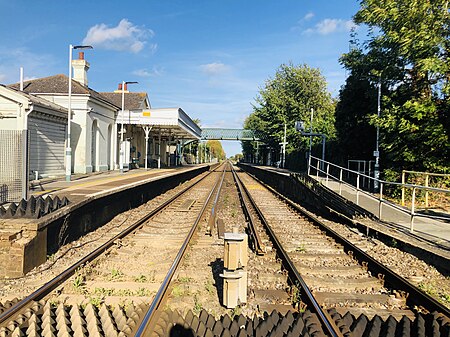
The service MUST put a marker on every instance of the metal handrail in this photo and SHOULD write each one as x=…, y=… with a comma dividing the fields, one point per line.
x=411, y=212
x=427, y=175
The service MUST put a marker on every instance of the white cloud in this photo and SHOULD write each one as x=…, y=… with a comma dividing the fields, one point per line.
x=213, y=69
x=124, y=37
x=308, y=16
x=329, y=26
x=156, y=71
x=3, y=77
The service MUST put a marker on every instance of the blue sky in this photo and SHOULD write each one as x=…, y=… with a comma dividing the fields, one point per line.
x=208, y=57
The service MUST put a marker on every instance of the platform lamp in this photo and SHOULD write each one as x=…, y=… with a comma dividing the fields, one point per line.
x=121, y=154
x=69, y=108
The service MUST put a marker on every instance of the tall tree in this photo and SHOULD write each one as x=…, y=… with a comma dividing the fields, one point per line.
x=287, y=98
x=408, y=50
x=216, y=149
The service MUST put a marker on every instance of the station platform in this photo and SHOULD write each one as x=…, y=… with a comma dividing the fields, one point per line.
x=97, y=183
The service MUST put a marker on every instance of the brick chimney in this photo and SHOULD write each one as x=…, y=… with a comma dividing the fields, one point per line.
x=80, y=69
x=119, y=89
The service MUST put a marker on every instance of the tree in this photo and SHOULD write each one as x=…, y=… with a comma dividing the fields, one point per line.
x=287, y=98
x=357, y=102
x=216, y=149
x=409, y=53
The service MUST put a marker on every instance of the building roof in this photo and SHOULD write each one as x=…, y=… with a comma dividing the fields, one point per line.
x=169, y=121
x=59, y=84
x=132, y=100
x=42, y=102
x=40, y=105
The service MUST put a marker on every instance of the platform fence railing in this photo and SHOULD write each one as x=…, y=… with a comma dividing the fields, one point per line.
x=353, y=179
x=13, y=165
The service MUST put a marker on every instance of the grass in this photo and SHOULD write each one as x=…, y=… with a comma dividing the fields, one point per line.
x=184, y=279
x=393, y=243
x=103, y=292
x=301, y=249
x=79, y=283
x=96, y=301
x=433, y=291
x=115, y=275
x=178, y=291
x=296, y=296
x=236, y=311
x=209, y=287
x=197, y=306
x=141, y=279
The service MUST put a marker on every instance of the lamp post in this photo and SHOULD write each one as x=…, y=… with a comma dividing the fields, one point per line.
x=300, y=126
x=69, y=108
x=121, y=154
x=376, y=153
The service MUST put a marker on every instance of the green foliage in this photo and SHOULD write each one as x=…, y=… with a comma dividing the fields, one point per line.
x=79, y=283
x=216, y=149
x=115, y=275
x=141, y=279
x=407, y=49
x=237, y=157
x=197, y=306
x=285, y=99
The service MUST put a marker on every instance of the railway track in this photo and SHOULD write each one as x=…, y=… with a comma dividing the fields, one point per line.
x=159, y=276
x=330, y=274
x=140, y=255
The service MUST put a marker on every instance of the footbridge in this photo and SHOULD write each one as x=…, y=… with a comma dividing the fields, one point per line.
x=230, y=134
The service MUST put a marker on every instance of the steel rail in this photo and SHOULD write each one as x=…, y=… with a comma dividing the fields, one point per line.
x=256, y=240
x=55, y=282
x=416, y=296
x=327, y=322
x=150, y=319
x=212, y=218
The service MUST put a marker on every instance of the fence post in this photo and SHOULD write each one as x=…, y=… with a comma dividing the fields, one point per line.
x=317, y=169
x=426, y=191
x=357, y=190
x=309, y=164
x=403, y=187
x=413, y=209
x=25, y=164
x=380, y=207
x=328, y=171
x=340, y=182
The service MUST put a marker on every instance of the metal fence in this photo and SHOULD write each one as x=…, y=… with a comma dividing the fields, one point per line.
x=332, y=172
x=13, y=165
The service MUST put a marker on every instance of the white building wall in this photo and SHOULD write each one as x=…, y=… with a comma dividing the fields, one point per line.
x=105, y=118
x=87, y=158
x=47, y=142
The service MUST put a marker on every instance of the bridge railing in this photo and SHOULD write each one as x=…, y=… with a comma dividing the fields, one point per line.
x=327, y=171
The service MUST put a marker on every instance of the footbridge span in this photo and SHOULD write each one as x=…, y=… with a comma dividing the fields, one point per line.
x=230, y=134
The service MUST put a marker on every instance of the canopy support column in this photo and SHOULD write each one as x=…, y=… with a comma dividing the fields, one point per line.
x=147, y=132
x=159, y=151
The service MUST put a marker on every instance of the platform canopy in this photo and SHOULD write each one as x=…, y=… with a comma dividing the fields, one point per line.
x=173, y=121
x=229, y=134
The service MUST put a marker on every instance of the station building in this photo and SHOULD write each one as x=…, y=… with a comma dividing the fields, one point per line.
x=32, y=139
x=152, y=137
